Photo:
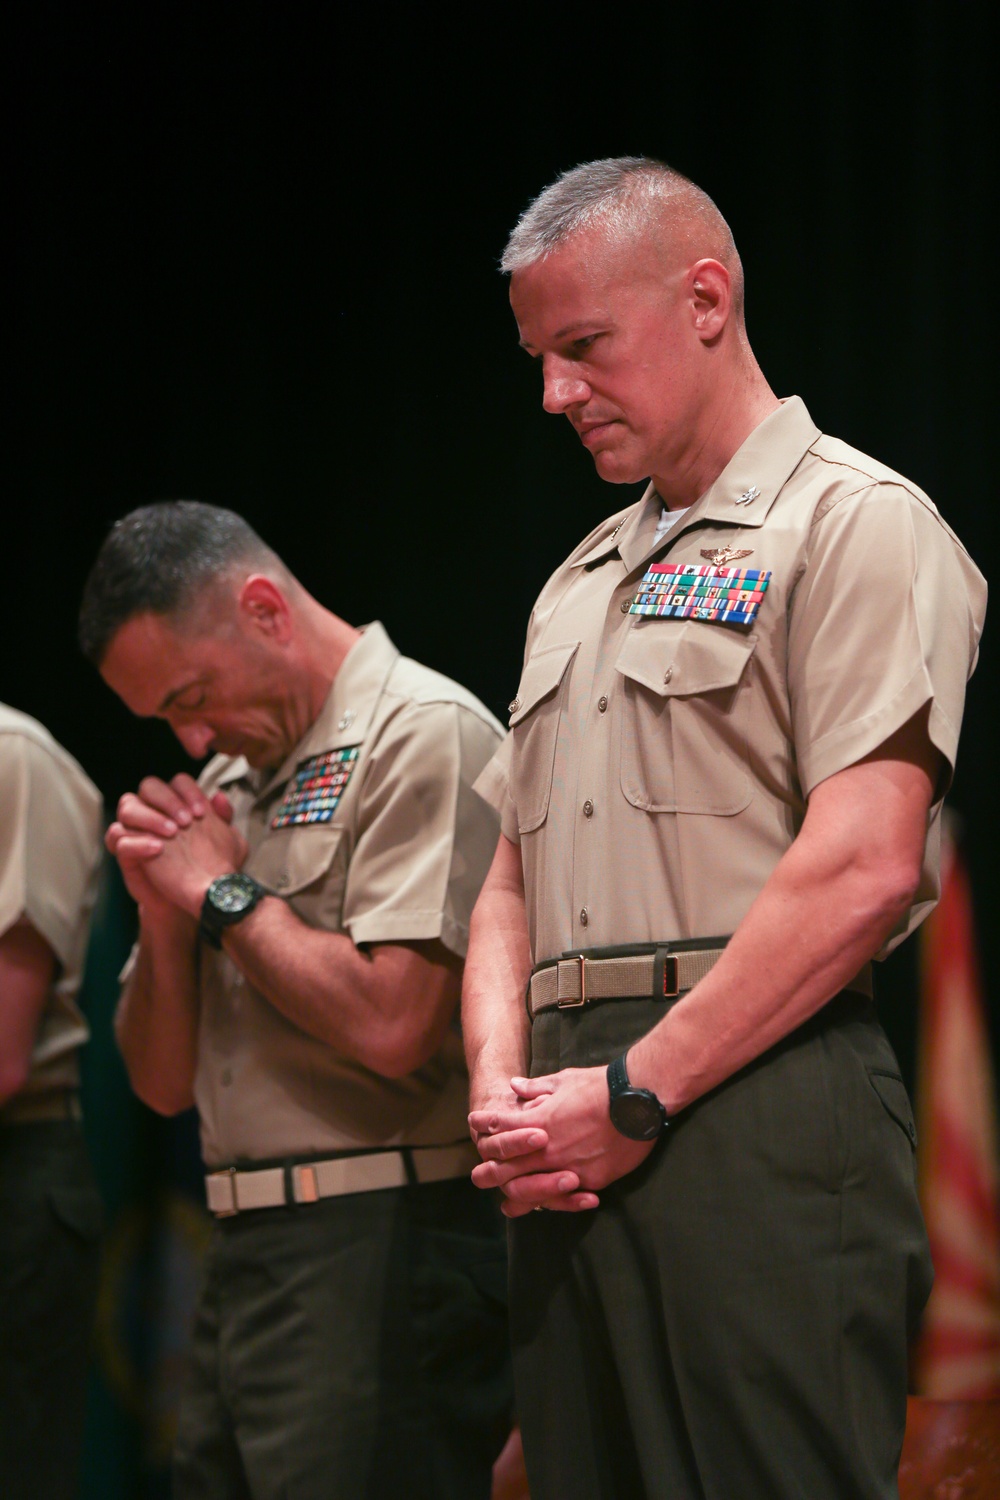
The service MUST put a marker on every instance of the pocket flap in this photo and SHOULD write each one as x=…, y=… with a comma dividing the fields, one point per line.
x=293, y=858
x=698, y=658
x=542, y=674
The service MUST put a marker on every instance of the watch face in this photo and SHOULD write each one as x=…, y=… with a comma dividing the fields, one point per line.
x=232, y=893
x=637, y=1114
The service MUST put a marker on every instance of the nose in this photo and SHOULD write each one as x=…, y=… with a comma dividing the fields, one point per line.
x=196, y=738
x=563, y=386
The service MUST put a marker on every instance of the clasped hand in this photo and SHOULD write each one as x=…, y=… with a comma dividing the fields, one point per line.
x=172, y=841
x=549, y=1142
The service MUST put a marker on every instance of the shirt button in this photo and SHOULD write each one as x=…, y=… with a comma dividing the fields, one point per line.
x=588, y=809
x=626, y=603
x=281, y=880
x=584, y=916
x=602, y=704
x=513, y=705
x=668, y=674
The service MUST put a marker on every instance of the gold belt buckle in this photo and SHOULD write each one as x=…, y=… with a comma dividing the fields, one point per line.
x=568, y=1004
x=227, y=1213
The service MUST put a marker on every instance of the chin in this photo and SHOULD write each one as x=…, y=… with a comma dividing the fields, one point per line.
x=614, y=468
x=264, y=757
x=257, y=756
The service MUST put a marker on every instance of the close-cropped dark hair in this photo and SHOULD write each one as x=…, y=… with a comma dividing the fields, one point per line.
x=157, y=559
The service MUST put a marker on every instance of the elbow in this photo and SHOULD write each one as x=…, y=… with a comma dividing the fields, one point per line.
x=398, y=1051
x=155, y=1089
x=890, y=891
x=148, y=1079
x=159, y=1097
x=152, y=1083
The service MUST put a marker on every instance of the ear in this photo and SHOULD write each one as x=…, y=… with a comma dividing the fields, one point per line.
x=265, y=608
x=711, y=294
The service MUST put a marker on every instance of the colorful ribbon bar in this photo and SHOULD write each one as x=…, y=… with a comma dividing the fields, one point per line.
x=316, y=788
x=693, y=591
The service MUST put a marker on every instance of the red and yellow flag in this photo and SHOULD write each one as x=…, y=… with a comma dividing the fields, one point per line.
x=958, y=1355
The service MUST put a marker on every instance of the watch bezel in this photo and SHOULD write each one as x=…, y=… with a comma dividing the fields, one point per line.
x=215, y=918
x=237, y=881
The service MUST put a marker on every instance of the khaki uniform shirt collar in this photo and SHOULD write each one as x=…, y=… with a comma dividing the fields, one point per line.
x=345, y=716
x=764, y=462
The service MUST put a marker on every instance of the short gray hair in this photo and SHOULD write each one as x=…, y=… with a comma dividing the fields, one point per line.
x=623, y=195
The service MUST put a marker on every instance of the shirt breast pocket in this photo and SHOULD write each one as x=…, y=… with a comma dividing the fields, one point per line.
x=534, y=723
x=685, y=717
x=304, y=864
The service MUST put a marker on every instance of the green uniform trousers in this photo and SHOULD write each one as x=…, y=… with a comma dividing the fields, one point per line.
x=350, y=1349
x=731, y=1323
x=50, y=1224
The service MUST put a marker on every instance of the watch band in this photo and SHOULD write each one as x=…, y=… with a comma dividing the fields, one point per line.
x=635, y=1113
x=617, y=1076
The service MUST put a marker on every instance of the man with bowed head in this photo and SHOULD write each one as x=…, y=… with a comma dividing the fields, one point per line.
x=719, y=801
x=304, y=910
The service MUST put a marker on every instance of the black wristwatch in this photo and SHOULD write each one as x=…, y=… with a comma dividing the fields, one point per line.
x=636, y=1113
x=227, y=901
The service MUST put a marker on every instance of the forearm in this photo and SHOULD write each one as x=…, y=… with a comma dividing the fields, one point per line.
x=156, y=1023
x=796, y=948
x=386, y=1007
x=495, y=1024
x=831, y=902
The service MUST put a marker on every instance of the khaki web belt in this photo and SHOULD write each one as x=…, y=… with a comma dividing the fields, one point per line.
x=232, y=1192
x=658, y=971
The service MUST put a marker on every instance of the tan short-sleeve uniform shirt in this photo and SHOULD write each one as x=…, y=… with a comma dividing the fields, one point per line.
x=657, y=769
x=400, y=859
x=51, y=822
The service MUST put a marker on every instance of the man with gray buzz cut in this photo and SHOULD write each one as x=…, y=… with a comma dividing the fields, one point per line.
x=303, y=914
x=619, y=196
x=719, y=802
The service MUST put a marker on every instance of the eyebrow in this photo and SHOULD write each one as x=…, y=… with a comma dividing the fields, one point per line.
x=562, y=333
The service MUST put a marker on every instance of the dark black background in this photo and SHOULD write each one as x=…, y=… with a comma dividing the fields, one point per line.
x=255, y=264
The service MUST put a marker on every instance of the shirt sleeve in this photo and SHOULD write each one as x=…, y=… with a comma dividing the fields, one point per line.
x=50, y=844
x=424, y=839
x=493, y=785
x=884, y=621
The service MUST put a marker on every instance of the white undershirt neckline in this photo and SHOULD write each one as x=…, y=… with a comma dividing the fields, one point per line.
x=668, y=518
